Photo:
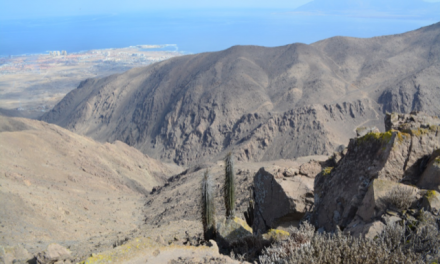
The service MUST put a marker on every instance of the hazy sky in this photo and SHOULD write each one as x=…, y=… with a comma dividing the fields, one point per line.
x=47, y=8
x=44, y=8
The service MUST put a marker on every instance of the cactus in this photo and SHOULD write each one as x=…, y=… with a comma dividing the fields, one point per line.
x=208, y=208
x=229, y=189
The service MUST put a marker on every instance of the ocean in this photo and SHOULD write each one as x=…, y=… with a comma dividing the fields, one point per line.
x=191, y=31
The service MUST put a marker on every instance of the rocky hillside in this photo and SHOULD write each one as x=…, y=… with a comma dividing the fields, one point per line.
x=57, y=186
x=381, y=173
x=265, y=103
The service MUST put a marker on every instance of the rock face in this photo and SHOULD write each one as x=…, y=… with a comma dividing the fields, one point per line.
x=371, y=163
x=280, y=201
x=430, y=178
x=229, y=230
x=378, y=198
x=431, y=201
x=263, y=103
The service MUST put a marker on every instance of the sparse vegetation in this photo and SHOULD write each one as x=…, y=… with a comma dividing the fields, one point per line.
x=208, y=207
x=249, y=248
x=400, y=198
x=396, y=244
x=327, y=171
x=229, y=189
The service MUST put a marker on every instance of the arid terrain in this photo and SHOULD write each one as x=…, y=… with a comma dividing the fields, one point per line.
x=114, y=171
x=65, y=188
x=263, y=103
x=32, y=84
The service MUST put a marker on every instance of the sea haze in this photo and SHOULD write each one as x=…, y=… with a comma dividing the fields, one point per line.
x=191, y=31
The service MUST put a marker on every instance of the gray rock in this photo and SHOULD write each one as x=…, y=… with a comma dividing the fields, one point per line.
x=366, y=230
x=15, y=254
x=378, y=198
x=414, y=120
x=290, y=172
x=310, y=169
x=53, y=254
x=362, y=131
x=431, y=202
x=430, y=178
x=280, y=201
x=393, y=156
x=229, y=230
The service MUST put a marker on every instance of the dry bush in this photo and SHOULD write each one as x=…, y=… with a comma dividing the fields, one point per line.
x=249, y=248
x=399, y=197
x=397, y=244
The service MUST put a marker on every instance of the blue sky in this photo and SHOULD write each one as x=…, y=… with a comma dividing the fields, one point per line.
x=20, y=9
x=45, y=8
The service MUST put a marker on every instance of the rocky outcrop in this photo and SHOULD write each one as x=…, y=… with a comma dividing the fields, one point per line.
x=431, y=201
x=280, y=201
x=230, y=230
x=373, y=164
x=430, y=178
x=414, y=120
x=382, y=195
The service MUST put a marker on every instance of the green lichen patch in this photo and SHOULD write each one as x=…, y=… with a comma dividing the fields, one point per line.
x=418, y=132
x=431, y=193
x=376, y=136
x=276, y=234
x=327, y=171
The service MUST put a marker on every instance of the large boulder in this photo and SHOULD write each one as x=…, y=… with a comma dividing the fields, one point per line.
x=431, y=202
x=310, y=169
x=366, y=230
x=395, y=155
x=280, y=201
x=430, y=178
x=383, y=195
x=231, y=229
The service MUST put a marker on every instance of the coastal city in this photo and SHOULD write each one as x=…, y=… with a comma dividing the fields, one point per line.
x=32, y=84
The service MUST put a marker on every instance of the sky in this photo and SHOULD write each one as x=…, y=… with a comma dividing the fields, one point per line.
x=36, y=26
x=21, y=9
x=18, y=9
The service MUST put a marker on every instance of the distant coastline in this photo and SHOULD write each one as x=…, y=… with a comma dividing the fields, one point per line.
x=192, y=32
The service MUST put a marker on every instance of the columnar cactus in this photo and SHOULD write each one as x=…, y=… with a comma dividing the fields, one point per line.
x=229, y=189
x=208, y=208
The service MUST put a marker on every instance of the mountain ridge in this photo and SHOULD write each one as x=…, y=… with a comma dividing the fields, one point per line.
x=258, y=101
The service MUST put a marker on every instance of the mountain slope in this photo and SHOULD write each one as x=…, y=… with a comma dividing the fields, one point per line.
x=57, y=186
x=265, y=103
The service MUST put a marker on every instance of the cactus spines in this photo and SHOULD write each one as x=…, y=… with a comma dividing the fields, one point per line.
x=208, y=209
x=229, y=189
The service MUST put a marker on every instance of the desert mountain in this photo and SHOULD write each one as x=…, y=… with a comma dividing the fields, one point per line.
x=263, y=103
x=57, y=186
x=376, y=8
